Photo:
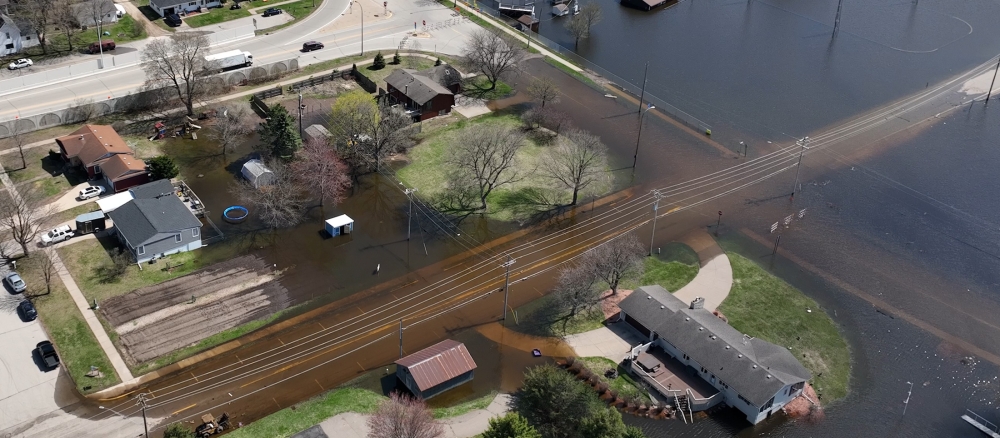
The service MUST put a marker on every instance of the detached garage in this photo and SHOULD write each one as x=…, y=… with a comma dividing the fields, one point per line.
x=436, y=369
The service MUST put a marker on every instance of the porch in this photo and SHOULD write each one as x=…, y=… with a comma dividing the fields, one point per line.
x=670, y=377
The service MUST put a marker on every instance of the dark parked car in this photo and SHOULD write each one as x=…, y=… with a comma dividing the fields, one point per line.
x=99, y=46
x=271, y=11
x=172, y=20
x=27, y=310
x=48, y=354
x=309, y=46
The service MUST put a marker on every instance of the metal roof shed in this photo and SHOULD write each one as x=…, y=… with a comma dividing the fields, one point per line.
x=342, y=224
x=257, y=173
x=436, y=369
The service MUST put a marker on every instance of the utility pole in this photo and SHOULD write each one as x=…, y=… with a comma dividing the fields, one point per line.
x=400, y=338
x=642, y=95
x=656, y=206
x=718, y=224
x=802, y=148
x=506, y=285
x=744, y=149
x=409, y=216
x=300, y=115
x=142, y=401
x=991, y=82
x=836, y=22
x=635, y=158
x=99, y=45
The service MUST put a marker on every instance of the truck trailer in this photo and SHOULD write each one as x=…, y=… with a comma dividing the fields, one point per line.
x=229, y=60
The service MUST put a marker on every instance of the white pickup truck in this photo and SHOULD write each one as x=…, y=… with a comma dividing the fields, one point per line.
x=57, y=235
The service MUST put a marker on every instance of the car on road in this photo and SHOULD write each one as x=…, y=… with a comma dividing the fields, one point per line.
x=271, y=11
x=20, y=63
x=48, y=354
x=27, y=310
x=57, y=235
x=14, y=280
x=172, y=20
x=91, y=192
x=309, y=46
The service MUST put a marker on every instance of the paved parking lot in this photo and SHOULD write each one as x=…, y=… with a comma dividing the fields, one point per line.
x=26, y=392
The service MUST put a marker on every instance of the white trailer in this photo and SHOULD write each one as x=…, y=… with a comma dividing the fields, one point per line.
x=230, y=59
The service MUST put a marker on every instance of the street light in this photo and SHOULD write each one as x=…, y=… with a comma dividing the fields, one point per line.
x=409, y=216
x=635, y=158
x=112, y=410
x=362, y=26
x=802, y=148
x=100, y=46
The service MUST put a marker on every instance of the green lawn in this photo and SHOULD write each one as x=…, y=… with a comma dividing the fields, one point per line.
x=216, y=16
x=766, y=307
x=68, y=215
x=290, y=421
x=411, y=62
x=78, y=348
x=479, y=87
x=84, y=257
x=298, y=10
x=580, y=76
x=623, y=384
x=35, y=159
x=671, y=269
x=462, y=408
x=125, y=30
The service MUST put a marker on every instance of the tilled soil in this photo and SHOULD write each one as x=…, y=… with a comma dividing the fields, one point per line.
x=156, y=320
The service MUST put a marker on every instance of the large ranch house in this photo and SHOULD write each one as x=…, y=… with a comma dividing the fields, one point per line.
x=696, y=360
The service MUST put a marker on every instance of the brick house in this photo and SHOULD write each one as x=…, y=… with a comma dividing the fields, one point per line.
x=95, y=148
x=427, y=93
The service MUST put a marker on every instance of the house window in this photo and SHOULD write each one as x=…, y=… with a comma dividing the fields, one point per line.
x=10, y=45
x=97, y=169
x=177, y=238
x=8, y=35
x=192, y=3
x=703, y=370
x=194, y=232
x=140, y=250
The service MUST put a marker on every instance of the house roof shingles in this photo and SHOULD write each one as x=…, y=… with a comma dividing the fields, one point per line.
x=92, y=142
x=415, y=85
x=754, y=368
x=121, y=166
x=140, y=220
x=438, y=363
x=152, y=189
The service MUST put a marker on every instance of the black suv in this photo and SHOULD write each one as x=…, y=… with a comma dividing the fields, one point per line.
x=271, y=11
x=172, y=20
x=309, y=46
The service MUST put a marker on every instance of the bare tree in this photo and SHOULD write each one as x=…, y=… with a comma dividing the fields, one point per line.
x=113, y=269
x=492, y=53
x=543, y=90
x=180, y=62
x=579, y=25
x=35, y=15
x=278, y=204
x=403, y=417
x=577, y=289
x=18, y=136
x=47, y=269
x=321, y=171
x=369, y=131
x=486, y=157
x=578, y=160
x=232, y=126
x=619, y=259
x=64, y=17
x=97, y=11
x=22, y=214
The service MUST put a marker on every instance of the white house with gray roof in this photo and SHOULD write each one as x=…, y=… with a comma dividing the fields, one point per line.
x=156, y=223
x=14, y=37
x=687, y=341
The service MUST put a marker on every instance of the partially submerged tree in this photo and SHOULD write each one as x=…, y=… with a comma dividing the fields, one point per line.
x=618, y=259
x=22, y=212
x=367, y=132
x=232, y=126
x=177, y=430
x=492, y=53
x=278, y=204
x=554, y=402
x=403, y=417
x=486, y=157
x=577, y=289
x=543, y=90
x=578, y=160
x=579, y=25
x=279, y=133
x=322, y=172
x=162, y=167
x=179, y=61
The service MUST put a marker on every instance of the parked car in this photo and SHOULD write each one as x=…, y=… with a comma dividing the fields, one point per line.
x=48, y=354
x=91, y=192
x=15, y=282
x=309, y=46
x=103, y=45
x=172, y=20
x=57, y=235
x=271, y=11
x=27, y=310
x=20, y=63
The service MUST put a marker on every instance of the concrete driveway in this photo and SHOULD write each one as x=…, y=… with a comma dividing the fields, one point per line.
x=26, y=392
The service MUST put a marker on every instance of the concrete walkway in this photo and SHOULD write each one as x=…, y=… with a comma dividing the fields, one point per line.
x=713, y=282
x=354, y=425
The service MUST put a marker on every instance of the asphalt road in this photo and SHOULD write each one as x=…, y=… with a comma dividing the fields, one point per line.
x=445, y=34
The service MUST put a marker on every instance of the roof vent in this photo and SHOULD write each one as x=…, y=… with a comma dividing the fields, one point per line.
x=698, y=303
x=755, y=367
x=687, y=319
x=662, y=307
x=701, y=329
x=648, y=297
x=739, y=356
x=727, y=347
x=768, y=376
x=713, y=337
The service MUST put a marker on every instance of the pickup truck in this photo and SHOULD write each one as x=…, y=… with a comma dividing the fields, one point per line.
x=57, y=235
x=48, y=354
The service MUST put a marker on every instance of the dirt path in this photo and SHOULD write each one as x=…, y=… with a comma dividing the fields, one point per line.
x=157, y=320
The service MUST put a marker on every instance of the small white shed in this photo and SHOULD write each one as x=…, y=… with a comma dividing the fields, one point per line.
x=342, y=224
x=258, y=174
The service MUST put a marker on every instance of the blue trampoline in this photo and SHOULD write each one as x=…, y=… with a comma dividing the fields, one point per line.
x=235, y=214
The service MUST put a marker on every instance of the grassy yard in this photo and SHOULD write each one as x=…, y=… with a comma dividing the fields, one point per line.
x=216, y=16
x=623, y=384
x=411, y=62
x=83, y=258
x=68, y=215
x=57, y=44
x=764, y=306
x=290, y=421
x=464, y=407
x=580, y=76
x=78, y=348
x=675, y=266
x=43, y=171
x=478, y=87
x=298, y=10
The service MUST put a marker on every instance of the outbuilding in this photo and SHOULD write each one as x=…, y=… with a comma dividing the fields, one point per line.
x=257, y=173
x=342, y=224
x=436, y=369
x=92, y=222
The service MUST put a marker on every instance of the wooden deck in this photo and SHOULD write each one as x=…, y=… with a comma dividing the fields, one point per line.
x=671, y=375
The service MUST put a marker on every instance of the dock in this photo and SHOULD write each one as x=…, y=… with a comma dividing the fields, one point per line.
x=980, y=423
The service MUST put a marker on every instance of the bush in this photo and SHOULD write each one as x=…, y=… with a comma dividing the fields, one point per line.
x=438, y=62
x=162, y=167
x=379, y=62
x=177, y=430
x=396, y=59
x=511, y=425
